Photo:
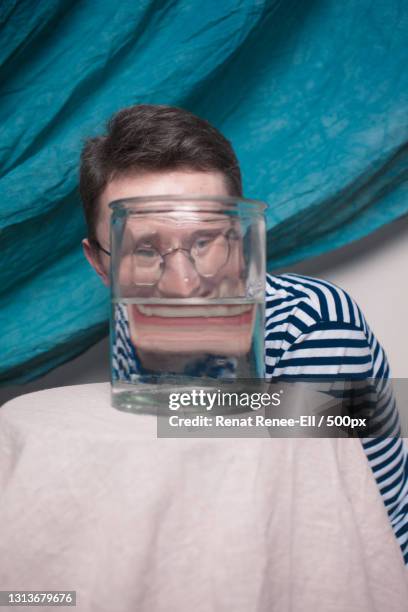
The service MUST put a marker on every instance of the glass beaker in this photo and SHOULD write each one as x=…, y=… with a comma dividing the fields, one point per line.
x=188, y=284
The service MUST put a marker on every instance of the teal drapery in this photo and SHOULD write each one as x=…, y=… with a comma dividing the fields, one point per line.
x=313, y=96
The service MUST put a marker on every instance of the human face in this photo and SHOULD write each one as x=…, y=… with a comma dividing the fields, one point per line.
x=178, y=182
x=159, y=328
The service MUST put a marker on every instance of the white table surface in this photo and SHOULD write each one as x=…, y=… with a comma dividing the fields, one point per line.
x=91, y=500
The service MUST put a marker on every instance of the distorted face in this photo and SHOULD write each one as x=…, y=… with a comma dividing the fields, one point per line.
x=172, y=254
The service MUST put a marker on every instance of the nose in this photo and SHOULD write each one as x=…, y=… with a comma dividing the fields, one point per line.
x=180, y=279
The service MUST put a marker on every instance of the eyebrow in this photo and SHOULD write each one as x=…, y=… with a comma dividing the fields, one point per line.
x=145, y=236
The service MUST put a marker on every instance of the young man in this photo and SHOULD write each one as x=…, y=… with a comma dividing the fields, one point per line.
x=313, y=328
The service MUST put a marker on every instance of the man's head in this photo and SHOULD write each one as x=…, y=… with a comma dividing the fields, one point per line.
x=151, y=150
x=197, y=253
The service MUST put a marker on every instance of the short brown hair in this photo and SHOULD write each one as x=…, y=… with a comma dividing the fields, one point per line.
x=153, y=138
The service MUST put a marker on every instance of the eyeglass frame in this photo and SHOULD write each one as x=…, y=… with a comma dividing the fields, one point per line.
x=170, y=251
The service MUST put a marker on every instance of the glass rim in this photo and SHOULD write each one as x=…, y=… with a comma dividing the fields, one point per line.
x=124, y=204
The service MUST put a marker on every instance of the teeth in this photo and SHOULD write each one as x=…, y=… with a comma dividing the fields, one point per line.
x=193, y=311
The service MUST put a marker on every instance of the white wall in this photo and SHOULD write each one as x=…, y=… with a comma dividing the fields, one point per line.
x=373, y=270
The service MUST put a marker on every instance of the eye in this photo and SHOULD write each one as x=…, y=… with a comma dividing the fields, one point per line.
x=201, y=243
x=146, y=252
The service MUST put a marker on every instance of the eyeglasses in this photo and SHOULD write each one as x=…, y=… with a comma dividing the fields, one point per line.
x=208, y=253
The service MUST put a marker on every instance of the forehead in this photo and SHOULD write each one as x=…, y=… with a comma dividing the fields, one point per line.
x=178, y=182
x=174, y=224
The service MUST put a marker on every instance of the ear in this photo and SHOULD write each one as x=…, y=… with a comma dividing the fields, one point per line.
x=95, y=262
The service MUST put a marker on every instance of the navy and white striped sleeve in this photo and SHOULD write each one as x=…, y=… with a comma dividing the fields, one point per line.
x=315, y=330
x=125, y=365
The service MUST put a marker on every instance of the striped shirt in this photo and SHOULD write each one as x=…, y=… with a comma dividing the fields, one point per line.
x=314, y=329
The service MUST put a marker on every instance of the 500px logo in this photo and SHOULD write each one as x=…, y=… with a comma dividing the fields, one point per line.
x=222, y=399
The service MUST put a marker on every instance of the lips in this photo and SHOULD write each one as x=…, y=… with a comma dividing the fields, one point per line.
x=168, y=329
x=191, y=315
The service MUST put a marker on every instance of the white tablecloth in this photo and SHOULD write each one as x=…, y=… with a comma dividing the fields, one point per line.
x=92, y=501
